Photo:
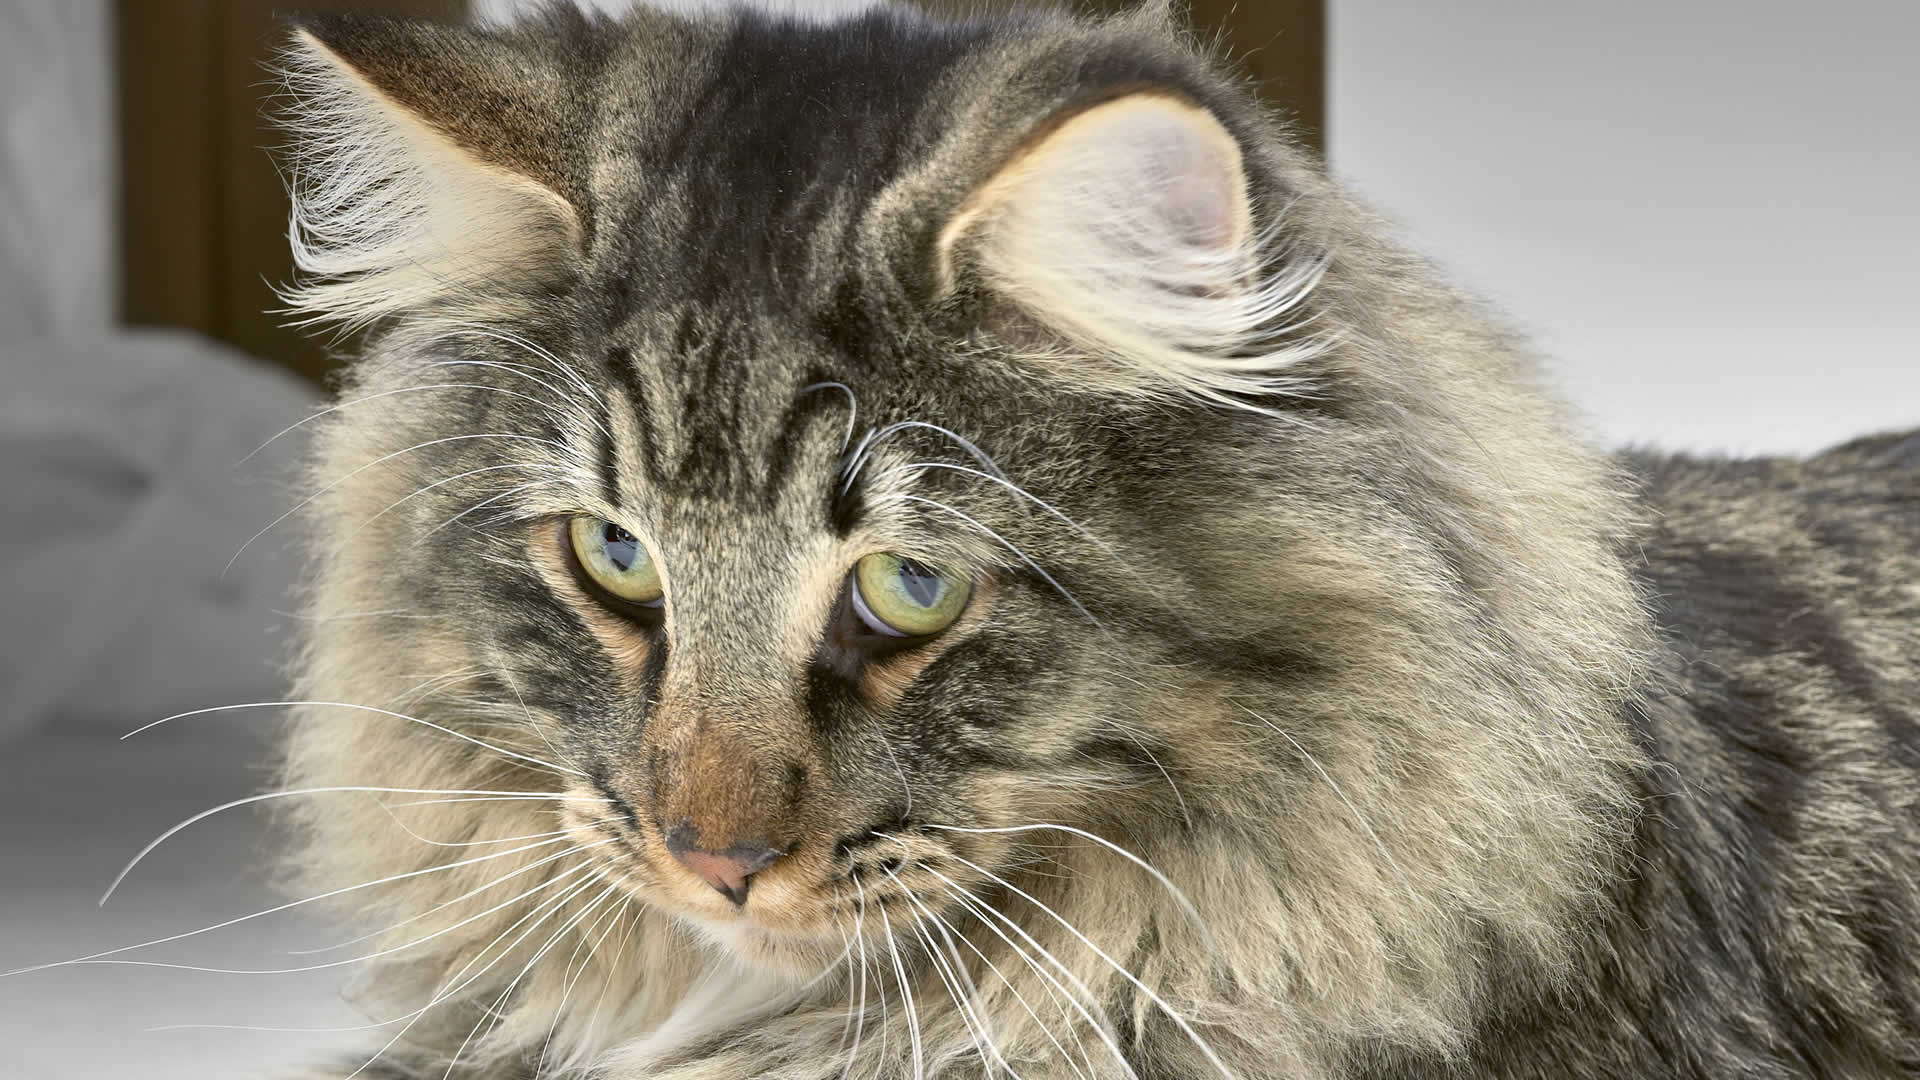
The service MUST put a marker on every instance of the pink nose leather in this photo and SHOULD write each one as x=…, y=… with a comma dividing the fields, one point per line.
x=723, y=872
x=727, y=871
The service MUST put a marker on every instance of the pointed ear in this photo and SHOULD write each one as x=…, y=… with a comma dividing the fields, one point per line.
x=1123, y=237
x=431, y=170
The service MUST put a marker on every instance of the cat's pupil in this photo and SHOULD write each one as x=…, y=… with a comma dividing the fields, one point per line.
x=922, y=585
x=622, y=547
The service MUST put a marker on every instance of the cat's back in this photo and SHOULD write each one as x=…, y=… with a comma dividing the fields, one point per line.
x=1777, y=895
x=1784, y=562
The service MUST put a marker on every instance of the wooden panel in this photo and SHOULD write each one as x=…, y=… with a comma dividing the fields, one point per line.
x=1280, y=44
x=169, y=193
x=1283, y=45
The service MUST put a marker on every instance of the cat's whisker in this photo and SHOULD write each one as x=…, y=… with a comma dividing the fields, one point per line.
x=610, y=918
x=951, y=976
x=1086, y=534
x=548, y=906
x=857, y=1016
x=986, y=913
x=362, y=708
x=1002, y=541
x=481, y=505
x=872, y=439
x=846, y=1027
x=1205, y=1048
x=952, y=987
x=468, y=895
x=493, y=1021
x=880, y=990
x=476, y=843
x=560, y=367
x=906, y=992
x=1358, y=817
x=549, y=883
x=385, y=613
x=273, y=910
x=310, y=499
x=521, y=370
x=271, y=795
x=502, y=797
x=1133, y=737
x=445, y=480
x=1180, y=897
x=853, y=407
x=952, y=934
x=507, y=677
x=336, y=407
x=592, y=1027
x=430, y=686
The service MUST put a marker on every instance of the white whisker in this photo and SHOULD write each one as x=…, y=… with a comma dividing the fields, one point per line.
x=251, y=799
x=1171, y=1013
x=1001, y=540
x=442, y=906
x=481, y=505
x=495, y=1008
x=1358, y=817
x=549, y=883
x=853, y=407
x=362, y=708
x=308, y=501
x=334, y=408
x=276, y=909
x=1179, y=896
x=913, y=1013
x=981, y=909
x=573, y=977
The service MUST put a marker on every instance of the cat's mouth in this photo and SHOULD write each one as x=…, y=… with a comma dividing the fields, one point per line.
x=804, y=914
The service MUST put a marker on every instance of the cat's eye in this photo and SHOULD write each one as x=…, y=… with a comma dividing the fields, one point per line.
x=615, y=560
x=902, y=597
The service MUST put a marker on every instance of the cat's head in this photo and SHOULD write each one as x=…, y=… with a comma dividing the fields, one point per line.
x=856, y=467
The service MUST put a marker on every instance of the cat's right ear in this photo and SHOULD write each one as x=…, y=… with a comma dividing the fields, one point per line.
x=431, y=170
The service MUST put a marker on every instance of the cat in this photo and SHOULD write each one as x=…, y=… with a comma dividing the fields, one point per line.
x=885, y=546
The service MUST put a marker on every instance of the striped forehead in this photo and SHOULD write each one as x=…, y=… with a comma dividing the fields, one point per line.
x=718, y=409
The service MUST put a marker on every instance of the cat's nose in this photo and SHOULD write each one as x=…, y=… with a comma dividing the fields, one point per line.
x=728, y=870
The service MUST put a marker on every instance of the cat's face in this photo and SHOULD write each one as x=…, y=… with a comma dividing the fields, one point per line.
x=920, y=453
x=791, y=609
x=809, y=596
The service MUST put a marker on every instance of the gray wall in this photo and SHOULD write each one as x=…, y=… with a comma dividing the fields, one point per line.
x=1706, y=212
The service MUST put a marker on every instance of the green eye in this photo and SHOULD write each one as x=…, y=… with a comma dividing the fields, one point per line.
x=615, y=560
x=902, y=597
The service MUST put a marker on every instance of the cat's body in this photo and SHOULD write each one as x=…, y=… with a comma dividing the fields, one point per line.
x=1315, y=704
x=1768, y=926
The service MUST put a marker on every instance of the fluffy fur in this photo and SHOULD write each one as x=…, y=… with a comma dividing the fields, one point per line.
x=1324, y=708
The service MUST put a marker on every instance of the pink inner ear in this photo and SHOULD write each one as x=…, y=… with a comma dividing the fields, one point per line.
x=1190, y=179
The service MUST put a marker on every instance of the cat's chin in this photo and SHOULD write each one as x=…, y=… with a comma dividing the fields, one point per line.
x=771, y=951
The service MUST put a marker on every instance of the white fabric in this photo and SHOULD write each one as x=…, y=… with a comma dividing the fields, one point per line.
x=120, y=504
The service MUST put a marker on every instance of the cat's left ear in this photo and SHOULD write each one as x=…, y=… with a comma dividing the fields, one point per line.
x=434, y=169
x=1120, y=242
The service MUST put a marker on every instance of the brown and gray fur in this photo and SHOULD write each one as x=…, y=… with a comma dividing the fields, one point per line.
x=1456, y=747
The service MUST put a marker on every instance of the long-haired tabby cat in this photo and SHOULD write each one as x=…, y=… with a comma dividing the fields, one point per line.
x=888, y=547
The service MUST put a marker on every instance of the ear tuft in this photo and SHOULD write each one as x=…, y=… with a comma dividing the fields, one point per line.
x=1126, y=231
x=393, y=216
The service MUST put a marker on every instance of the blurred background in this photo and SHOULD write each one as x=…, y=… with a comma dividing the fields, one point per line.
x=1703, y=211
